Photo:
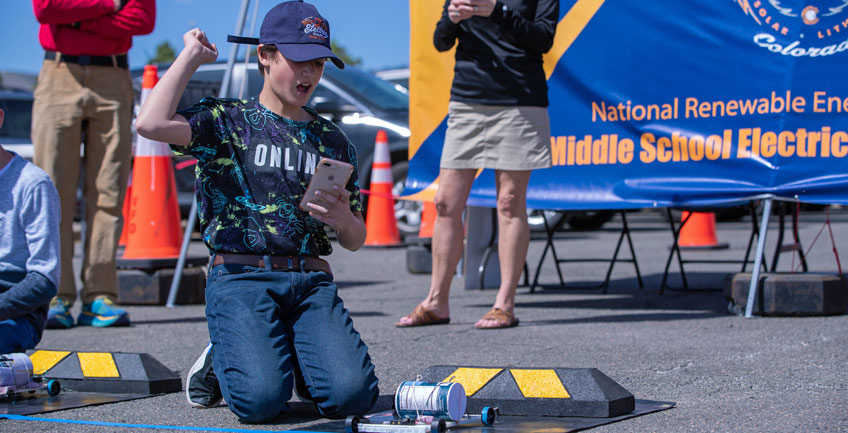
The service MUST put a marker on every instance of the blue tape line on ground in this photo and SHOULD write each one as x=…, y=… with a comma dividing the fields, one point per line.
x=166, y=427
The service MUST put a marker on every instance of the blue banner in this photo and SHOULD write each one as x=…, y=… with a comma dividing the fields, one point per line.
x=677, y=104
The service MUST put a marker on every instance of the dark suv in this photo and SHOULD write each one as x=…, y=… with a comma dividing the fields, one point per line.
x=358, y=102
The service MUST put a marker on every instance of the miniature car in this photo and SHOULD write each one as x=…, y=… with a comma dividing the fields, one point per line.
x=16, y=377
x=393, y=423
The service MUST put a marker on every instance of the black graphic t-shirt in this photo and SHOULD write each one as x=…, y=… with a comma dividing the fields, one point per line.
x=253, y=167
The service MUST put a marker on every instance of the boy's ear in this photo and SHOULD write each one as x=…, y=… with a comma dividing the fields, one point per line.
x=262, y=55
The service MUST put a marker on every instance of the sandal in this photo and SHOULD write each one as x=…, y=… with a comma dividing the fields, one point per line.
x=423, y=317
x=503, y=318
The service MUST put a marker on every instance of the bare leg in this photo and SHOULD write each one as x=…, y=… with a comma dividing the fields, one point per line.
x=448, y=236
x=513, y=236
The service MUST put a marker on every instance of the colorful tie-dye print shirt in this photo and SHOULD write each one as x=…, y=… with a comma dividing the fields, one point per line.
x=253, y=167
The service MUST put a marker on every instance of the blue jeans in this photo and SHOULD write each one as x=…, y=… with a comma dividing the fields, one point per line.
x=17, y=335
x=271, y=329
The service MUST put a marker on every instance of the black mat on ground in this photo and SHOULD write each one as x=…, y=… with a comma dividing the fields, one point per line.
x=523, y=423
x=38, y=403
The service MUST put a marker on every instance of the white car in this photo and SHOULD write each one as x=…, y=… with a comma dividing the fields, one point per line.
x=14, y=135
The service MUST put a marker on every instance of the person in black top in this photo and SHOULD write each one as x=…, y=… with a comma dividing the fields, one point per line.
x=498, y=120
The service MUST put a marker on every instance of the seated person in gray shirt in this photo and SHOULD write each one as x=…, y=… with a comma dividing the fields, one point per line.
x=29, y=250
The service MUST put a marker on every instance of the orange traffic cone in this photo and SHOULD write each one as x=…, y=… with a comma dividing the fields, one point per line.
x=699, y=231
x=154, y=223
x=380, y=223
x=125, y=231
x=428, y=220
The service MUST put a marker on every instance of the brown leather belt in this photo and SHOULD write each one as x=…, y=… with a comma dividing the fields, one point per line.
x=290, y=263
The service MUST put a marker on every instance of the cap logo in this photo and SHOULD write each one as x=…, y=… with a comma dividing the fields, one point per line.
x=316, y=28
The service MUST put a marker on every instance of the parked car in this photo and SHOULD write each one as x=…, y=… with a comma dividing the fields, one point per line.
x=358, y=102
x=575, y=220
x=398, y=76
x=15, y=133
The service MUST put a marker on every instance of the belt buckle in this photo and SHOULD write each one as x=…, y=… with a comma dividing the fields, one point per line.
x=291, y=264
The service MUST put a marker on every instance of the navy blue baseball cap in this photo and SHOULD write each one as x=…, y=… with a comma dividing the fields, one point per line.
x=298, y=31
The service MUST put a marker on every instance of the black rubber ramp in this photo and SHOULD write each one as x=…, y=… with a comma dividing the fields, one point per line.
x=572, y=392
x=106, y=372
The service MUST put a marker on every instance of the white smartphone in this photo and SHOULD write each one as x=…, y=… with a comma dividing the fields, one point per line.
x=329, y=172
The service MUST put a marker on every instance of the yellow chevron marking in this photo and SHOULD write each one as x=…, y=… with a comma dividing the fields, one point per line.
x=472, y=379
x=97, y=364
x=539, y=384
x=568, y=28
x=43, y=360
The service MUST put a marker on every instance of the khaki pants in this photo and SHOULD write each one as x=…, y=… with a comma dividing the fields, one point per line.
x=93, y=103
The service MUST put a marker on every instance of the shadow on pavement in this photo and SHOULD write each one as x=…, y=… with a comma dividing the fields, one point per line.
x=624, y=318
x=367, y=314
x=705, y=295
x=352, y=284
x=197, y=319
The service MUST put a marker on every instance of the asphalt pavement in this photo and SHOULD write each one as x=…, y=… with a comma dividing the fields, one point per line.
x=724, y=372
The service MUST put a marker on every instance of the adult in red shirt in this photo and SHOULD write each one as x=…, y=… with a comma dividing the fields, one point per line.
x=85, y=95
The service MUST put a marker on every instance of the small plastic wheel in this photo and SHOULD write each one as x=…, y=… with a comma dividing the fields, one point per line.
x=10, y=395
x=53, y=388
x=438, y=426
x=488, y=416
x=352, y=424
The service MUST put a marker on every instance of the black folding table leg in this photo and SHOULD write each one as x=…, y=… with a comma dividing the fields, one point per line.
x=548, y=244
x=626, y=229
x=671, y=253
x=798, y=240
x=781, y=226
x=676, y=248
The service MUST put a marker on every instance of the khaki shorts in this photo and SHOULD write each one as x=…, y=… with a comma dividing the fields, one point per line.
x=497, y=137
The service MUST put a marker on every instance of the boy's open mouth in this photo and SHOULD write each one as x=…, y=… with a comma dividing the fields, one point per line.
x=303, y=88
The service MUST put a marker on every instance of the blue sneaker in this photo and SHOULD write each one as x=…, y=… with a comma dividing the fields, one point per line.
x=59, y=314
x=102, y=312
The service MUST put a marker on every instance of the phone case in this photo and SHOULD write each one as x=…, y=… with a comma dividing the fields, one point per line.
x=329, y=172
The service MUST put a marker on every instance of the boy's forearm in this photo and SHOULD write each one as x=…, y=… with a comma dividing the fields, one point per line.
x=157, y=118
x=352, y=236
x=26, y=295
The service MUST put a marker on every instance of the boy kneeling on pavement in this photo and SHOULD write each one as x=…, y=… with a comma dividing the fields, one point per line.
x=274, y=315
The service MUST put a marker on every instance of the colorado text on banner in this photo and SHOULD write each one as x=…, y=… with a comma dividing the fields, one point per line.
x=670, y=103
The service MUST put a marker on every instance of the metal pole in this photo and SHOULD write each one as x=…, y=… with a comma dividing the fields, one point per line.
x=246, y=79
x=758, y=260
x=178, y=272
x=192, y=215
x=231, y=60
